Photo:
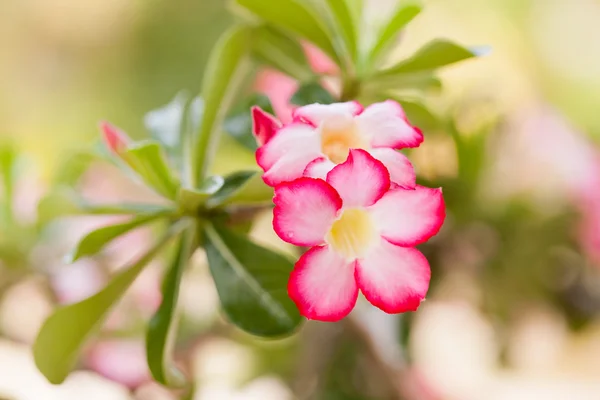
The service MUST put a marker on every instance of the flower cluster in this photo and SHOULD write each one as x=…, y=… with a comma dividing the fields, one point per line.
x=343, y=189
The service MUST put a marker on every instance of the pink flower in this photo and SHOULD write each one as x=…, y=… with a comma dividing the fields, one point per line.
x=115, y=139
x=320, y=137
x=361, y=235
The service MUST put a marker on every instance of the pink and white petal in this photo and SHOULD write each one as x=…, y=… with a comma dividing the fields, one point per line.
x=304, y=211
x=361, y=180
x=393, y=278
x=287, y=154
x=408, y=217
x=319, y=168
x=385, y=125
x=264, y=125
x=401, y=170
x=323, y=285
x=315, y=114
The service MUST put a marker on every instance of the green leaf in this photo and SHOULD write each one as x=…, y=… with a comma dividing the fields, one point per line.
x=274, y=48
x=239, y=122
x=243, y=187
x=405, y=13
x=251, y=282
x=419, y=115
x=8, y=160
x=65, y=332
x=73, y=168
x=165, y=124
x=95, y=241
x=421, y=81
x=437, y=53
x=161, y=333
x=190, y=200
x=296, y=17
x=219, y=87
x=310, y=93
x=148, y=161
x=345, y=24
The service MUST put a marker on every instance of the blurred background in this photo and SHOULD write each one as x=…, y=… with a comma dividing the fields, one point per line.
x=514, y=307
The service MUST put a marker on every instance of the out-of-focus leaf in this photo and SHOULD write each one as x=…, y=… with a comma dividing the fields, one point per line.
x=148, y=161
x=406, y=11
x=243, y=187
x=311, y=93
x=219, y=87
x=282, y=52
x=8, y=159
x=73, y=168
x=190, y=200
x=251, y=282
x=161, y=333
x=296, y=17
x=95, y=241
x=435, y=54
x=64, y=333
x=59, y=202
x=345, y=24
x=165, y=123
x=420, y=81
x=419, y=115
x=239, y=122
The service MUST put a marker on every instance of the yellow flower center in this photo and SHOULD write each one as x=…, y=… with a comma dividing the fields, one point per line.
x=352, y=233
x=338, y=137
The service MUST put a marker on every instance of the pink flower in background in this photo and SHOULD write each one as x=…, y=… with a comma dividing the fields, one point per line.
x=115, y=139
x=120, y=360
x=362, y=236
x=320, y=137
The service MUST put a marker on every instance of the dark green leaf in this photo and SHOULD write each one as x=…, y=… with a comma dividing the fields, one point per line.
x=405, y=13
x=282, y=52
x=190, y=200
x=346, y=24
x=63, y=335
x=311, y=93
x=161, y=333
x=95, y=241
x=219, y=87
x=239, y=122
x=437, y=53
x=296, y=17
x=243, y=187
x=251, y=282
x=148, y=161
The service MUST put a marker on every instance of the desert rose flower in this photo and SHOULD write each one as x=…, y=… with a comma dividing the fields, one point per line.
x=361, y=236
x=320, y=137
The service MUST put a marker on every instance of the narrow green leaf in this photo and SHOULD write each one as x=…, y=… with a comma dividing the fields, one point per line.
x=437, y=53
x=406, y=12
x=345, y=24
x=8, y=159
x=239, y=122
x=274, y=48
x=219, y=87
x=95, y=241
x=251, y=282
x=243, y=187
x=190, y=200
x=310, y=93
x=295, y=17
x=148, y=161
x=161, y=333
x=65, y=332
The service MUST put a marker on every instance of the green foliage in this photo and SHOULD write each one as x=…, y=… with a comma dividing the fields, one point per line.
x=63, y=335
x=311, y=93
x=148, y=161
x=239, y=122
x=161, y=333
x=346, y=25
x=244, y=187
x=251, y=283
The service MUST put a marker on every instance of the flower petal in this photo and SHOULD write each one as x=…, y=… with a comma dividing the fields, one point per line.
x=116, y=140
x=361, y=180
x=315, y=114
x=287, y=154
x=304, y=211
x=322, y=285
x=319, y=168
x=393, y=278
x=408, y=217
x=386, y=125
x=401, y=170
x=264, y=125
